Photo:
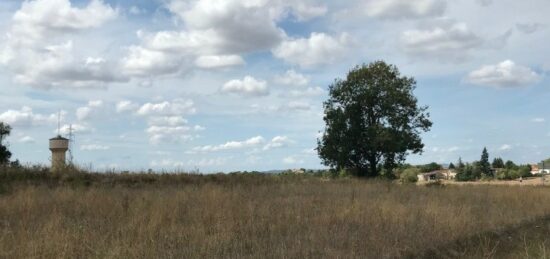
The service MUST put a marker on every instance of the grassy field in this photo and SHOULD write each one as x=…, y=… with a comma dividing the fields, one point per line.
x=265, y=216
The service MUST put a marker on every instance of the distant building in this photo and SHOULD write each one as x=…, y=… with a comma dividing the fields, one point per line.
x=59, y=146
x=541, y=168
x=445, y=174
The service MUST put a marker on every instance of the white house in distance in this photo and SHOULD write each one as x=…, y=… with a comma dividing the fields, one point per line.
x=540, y=168
x=444, y=174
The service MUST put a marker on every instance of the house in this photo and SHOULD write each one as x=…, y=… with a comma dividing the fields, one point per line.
x=541, y=168
x=437, y=175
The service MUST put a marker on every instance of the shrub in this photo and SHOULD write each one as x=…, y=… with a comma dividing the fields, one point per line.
x=409, y=175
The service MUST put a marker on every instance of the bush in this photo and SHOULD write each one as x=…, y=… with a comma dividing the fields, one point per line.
x=409, y=175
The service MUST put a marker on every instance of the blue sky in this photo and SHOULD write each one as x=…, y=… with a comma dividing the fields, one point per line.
x=239, y=84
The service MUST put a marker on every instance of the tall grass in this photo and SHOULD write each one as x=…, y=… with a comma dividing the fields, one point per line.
x=250, y=216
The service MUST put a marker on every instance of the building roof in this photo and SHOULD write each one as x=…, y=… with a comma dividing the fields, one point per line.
x=58, y=137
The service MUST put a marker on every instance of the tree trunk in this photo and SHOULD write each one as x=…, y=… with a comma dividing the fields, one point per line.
x=373, y=166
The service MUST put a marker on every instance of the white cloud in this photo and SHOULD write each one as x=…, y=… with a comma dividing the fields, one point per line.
x=505, y=147
x=167, y=120
x=444, y=41
x=143, y=62
x=292, y=77
x=216, y=61
x=504, y=74
x=277, y=142
x=538, y=120
x=318, y=49
x=403, y=9
x=249, y=86
x=220, y=24
x=75, y=128
x=27, y=139
x=166, y=123
x=26, y=117
x=42, y=18
x=57, y=66
x=33, y=53
x=174, y=107
x=169, y=134
x=84, y=113
x=251, y=142
x=126, y=106
x=94, y=147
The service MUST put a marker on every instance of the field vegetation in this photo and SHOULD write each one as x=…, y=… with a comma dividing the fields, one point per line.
x=251, y=215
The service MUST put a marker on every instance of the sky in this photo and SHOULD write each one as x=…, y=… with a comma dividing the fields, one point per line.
x=226, y=85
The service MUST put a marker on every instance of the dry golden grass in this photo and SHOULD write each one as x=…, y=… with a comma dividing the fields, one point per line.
x=301, y=217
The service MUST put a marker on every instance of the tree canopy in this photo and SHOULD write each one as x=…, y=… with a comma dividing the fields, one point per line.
x=373, y=120
x=5, y=154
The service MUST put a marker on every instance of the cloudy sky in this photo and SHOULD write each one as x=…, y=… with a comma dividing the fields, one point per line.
x=222, y=85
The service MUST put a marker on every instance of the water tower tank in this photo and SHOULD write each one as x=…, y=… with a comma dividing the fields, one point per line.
x=59, y=146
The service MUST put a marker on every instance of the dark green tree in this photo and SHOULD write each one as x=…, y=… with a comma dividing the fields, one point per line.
x=5, y=154
x=498, y=163
x=510, y=165
x=452, y=166
x=433, y=166
x=484, y=165
x=372, y=121
x=460, y=164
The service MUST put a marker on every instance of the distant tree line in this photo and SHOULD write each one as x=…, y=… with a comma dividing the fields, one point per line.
x=498, y=169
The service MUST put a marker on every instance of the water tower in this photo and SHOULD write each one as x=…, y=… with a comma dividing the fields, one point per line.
x=59, y=146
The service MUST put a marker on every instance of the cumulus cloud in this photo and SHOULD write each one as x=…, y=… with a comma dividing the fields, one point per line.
x=27, y=140
x=174, y=107
x=251, y=142
x=292, y=77
x=126, y=106
x=94, y=147
x=220, y=24
x=504, y=74
x=85, y=112
x=75, y=128
x=213, y=35
x=444, y=41
x=32, y=53
x=249, y=87
x=538, y=120
x=166, y=121
x=144, y=62
x=43, y=18
x=277, y=142
x=404, y=9
x=217, y=61
x=25, y=117
x=505, y=147
x=318, y=49
x=169, y=133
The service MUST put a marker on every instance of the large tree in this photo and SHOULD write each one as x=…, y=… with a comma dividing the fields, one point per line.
x=372, y=120
x=5, y=154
